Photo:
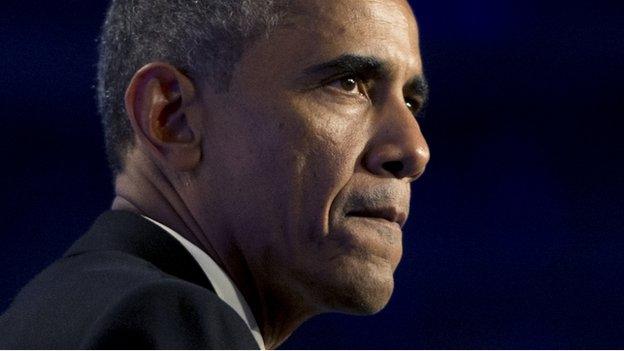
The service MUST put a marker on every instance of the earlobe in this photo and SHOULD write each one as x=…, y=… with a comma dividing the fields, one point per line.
x=159, y=104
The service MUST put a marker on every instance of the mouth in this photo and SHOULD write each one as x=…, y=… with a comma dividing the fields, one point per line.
x=390, y=214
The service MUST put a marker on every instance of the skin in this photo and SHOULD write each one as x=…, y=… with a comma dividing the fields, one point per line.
x=282, y=178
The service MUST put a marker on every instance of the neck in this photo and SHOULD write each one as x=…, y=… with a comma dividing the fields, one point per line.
x=146, y=190
x=278, y=310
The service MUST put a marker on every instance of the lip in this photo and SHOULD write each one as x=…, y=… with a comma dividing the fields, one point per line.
x=390, y=214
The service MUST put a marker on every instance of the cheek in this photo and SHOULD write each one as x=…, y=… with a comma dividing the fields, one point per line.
x=325, y=144
x=289, y=161
x=331, y=131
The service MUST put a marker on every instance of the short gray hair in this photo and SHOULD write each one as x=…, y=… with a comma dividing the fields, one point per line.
x=203, y=38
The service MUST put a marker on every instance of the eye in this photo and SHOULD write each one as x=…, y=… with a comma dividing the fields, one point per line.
x=349, y=84
x=413, y=105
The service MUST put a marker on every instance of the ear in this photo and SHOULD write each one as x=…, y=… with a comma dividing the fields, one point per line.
x=159, y=102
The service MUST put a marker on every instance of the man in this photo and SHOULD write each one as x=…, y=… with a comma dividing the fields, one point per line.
x=262, y=152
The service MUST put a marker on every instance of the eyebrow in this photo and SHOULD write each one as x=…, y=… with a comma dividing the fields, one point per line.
x=368, y=67
x=355, y=64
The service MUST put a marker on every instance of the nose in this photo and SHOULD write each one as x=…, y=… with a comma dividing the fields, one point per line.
x=398, y=148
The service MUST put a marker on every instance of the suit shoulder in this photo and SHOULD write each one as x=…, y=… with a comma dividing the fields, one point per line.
x=172, y=314
x=92, y=299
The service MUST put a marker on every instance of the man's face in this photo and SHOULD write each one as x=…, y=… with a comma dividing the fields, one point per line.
x=308, y=158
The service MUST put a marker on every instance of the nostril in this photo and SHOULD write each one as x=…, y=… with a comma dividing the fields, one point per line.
x=393, y=167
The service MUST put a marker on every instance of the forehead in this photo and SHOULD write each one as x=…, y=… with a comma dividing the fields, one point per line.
x=373, y=27
x=318, y=30
x=351, y=16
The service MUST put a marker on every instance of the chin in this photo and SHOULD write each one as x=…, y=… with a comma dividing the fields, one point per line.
x=359, y=288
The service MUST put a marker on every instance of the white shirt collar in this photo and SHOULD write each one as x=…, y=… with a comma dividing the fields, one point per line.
x=222, y=284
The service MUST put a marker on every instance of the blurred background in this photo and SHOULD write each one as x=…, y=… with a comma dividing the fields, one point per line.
x=515, y=238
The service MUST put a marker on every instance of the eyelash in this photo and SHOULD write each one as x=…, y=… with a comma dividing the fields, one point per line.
x=357, y=80
x=412, y=104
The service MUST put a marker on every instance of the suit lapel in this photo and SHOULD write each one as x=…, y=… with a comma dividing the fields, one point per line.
x=130, y=233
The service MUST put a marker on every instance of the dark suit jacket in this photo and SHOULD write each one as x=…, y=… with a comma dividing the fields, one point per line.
x=125, y=284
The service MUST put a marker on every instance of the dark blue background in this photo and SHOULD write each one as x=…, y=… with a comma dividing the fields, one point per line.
x=515, y=236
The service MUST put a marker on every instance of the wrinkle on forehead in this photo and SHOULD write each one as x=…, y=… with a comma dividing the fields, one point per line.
x=403, y=19
x=357, y=21
x=342, y=13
